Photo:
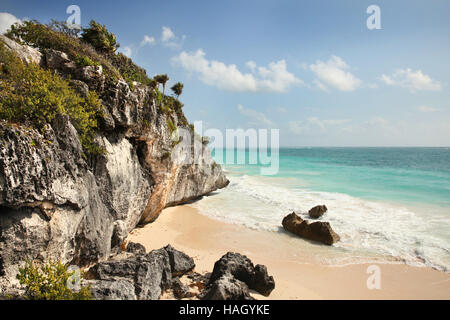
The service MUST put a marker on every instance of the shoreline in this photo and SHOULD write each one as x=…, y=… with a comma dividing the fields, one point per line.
x=298, y=275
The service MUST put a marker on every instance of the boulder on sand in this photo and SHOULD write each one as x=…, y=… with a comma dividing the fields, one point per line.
x=317, y=211
x=316, y=231
x=242, y=268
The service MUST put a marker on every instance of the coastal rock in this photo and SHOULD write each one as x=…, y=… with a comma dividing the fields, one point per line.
x=115, y=289
x=57, y=204
x=135, y=248
x=180, y=263
x=26, y=53
x=316, y=231
x=180, y=290
x=150, y=274
x=317, y=211
x=226, y=287
x=242, y=268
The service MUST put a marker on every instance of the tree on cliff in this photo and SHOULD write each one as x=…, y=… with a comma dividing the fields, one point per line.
x=100, y=38
x=177, y=88
x=162, y=79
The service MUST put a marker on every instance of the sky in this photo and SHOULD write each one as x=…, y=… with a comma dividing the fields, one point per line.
x=312, y=69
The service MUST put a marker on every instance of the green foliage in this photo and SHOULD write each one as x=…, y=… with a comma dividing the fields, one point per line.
x=170, y=125
x=100, y=38
x=177, y=88
x=85, y=61
x=50, y=282
x=30, y=94
x=44, y=37
x=162, y=79
x=130, y=71
x=61, y=26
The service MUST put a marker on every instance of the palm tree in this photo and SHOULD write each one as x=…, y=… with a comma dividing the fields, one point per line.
x=177, y=89
x=162, y=79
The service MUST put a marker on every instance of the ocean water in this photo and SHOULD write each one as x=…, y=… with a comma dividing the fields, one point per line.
x=391, y=202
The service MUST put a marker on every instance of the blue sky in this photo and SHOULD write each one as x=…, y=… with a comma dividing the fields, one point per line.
x=310, y=68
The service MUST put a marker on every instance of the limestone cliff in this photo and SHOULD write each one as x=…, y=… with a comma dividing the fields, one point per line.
x=57, y=204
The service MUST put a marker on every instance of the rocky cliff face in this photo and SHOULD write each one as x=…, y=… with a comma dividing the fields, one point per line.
x=57, y=204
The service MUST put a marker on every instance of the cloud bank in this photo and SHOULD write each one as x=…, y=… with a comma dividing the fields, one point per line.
x=412, y=80
x=273, y=78
x=333, y=73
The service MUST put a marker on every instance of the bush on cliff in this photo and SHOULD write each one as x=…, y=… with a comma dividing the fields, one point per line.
x=100, y=38
x=30, y=94
x=97, y=46
x=43, y=36
x=50, y=281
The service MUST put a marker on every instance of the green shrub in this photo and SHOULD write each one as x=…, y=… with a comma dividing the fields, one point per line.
x=100, y=38
x=130, y=71
x=50, y=282
x=85, y=61
x=170, y=125
x=61, y=26
x=30, y=94
x=177, y=89
x=44, y=37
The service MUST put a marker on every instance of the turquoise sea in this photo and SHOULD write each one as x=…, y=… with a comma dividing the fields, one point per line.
x=386, y=201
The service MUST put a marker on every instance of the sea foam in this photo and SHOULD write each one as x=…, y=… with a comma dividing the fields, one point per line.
x=371, y=226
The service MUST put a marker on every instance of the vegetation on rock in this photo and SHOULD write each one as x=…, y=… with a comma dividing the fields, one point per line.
x=30, y=94
x=100, y=38
x=50, y=282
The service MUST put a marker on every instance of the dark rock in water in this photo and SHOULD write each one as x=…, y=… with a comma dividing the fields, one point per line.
x=226, y=288
x=242, y=268
x=115, y=289
x=317, y=211
x=136, y=248
x=180, y=290
x=316, y=231
x=180, y=262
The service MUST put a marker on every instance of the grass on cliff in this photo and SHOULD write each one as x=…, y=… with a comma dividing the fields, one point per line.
x=30, y=94
x=50, y=281
x=97, y=46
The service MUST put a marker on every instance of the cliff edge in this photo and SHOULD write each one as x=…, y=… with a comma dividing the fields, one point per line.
x=57, y=203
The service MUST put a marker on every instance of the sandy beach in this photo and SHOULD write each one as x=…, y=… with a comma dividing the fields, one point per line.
x=296, y=268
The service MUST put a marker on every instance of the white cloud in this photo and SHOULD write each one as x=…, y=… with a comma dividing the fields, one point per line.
x=251, y=65
x=427, y=109
x=314, y=125
x=167, y=34
x=412, y=80
x=169, y=39
x=6, y=20
x=376, y=121
x=148, y=40
x=333, y=73
x=256, y=118
x=274, y=78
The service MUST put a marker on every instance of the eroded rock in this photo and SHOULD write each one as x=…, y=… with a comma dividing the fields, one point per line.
x=316, y=231
x=317, y=211
x=242, y=268
x=226, y=287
